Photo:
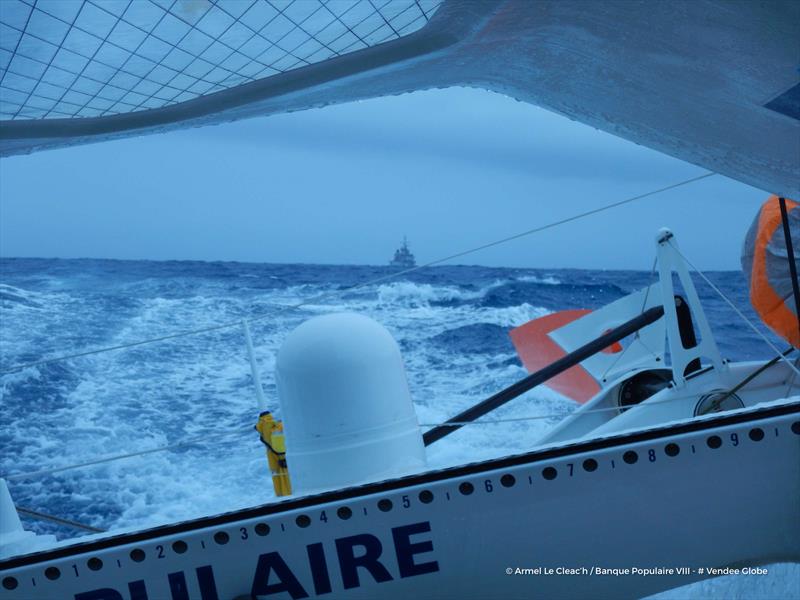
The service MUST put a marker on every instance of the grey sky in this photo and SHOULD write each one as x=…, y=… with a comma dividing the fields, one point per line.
x=450, y=168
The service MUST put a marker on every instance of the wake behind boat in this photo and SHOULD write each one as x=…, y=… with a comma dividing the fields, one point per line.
x=673, y=451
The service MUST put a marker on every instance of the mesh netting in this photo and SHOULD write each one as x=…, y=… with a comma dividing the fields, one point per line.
x=91, y=58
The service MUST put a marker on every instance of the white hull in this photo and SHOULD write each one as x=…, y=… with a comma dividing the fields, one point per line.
x=706, y=506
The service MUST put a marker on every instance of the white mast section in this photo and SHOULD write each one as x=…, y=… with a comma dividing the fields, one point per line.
x=669, y=262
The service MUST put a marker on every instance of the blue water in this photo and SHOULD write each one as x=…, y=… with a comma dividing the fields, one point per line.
x=451, y=323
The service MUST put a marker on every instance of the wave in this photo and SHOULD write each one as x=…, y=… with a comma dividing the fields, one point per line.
x=410, y=294
x=554, y=296
x=10, y=295
x=548, y=280
x=477, y=338
x=548, y=292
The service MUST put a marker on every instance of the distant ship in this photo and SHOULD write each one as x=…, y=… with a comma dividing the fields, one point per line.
x=403, y=257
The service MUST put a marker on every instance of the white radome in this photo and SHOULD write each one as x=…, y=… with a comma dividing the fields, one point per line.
x=345, y=404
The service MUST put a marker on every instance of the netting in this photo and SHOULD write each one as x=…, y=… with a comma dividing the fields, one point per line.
x=92, y=58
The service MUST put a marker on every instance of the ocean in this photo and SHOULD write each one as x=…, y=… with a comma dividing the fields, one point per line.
x=451, y=323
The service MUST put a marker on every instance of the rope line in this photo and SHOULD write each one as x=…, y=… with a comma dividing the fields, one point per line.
x=106, y=459
x=644, y=404
x=341, y=291
x=778, y=353
x=118, y=347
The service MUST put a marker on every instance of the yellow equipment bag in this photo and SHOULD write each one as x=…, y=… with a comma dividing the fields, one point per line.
x=271, y=432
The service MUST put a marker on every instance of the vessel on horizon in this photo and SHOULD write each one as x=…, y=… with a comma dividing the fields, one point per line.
x=403, y=257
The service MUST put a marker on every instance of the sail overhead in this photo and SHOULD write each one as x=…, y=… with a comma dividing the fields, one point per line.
x=712, y=82
x=98, y=58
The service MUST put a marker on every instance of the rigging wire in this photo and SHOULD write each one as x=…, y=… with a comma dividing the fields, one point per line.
x=509, y=238
x=314, y=299
x=189, y=442
x=779, y=354
x=201, y=440
x=339, y=292
x=717, y=402
x=205, y=438
x=637, y=334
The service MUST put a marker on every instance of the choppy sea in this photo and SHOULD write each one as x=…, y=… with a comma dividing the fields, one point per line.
x=451, y=323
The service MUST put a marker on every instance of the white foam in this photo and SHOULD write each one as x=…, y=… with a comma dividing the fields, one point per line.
x=409, y=294
x=548, y=280
x=160, y=394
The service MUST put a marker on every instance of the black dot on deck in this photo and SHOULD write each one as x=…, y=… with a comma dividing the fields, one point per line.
x=796, y=427
x=756, y=434
x=52, y=573
x=94, y=564
x=466, y=488
x=590, y=465
x=384, y=505
x=549, y=473
x=426, y=496
x=10, y=583
x=508, y=480
x=672, y=450
x=344, y=513
x=630, y=457
x=221, y=538
x=714, y=442
x=179, y=546
x=303, y=521
x=137, y=555
x=262, y=529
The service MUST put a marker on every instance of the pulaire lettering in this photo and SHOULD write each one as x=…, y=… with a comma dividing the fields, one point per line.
x=360, y=559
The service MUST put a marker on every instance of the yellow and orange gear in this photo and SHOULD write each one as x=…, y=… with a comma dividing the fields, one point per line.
x=271, y=432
